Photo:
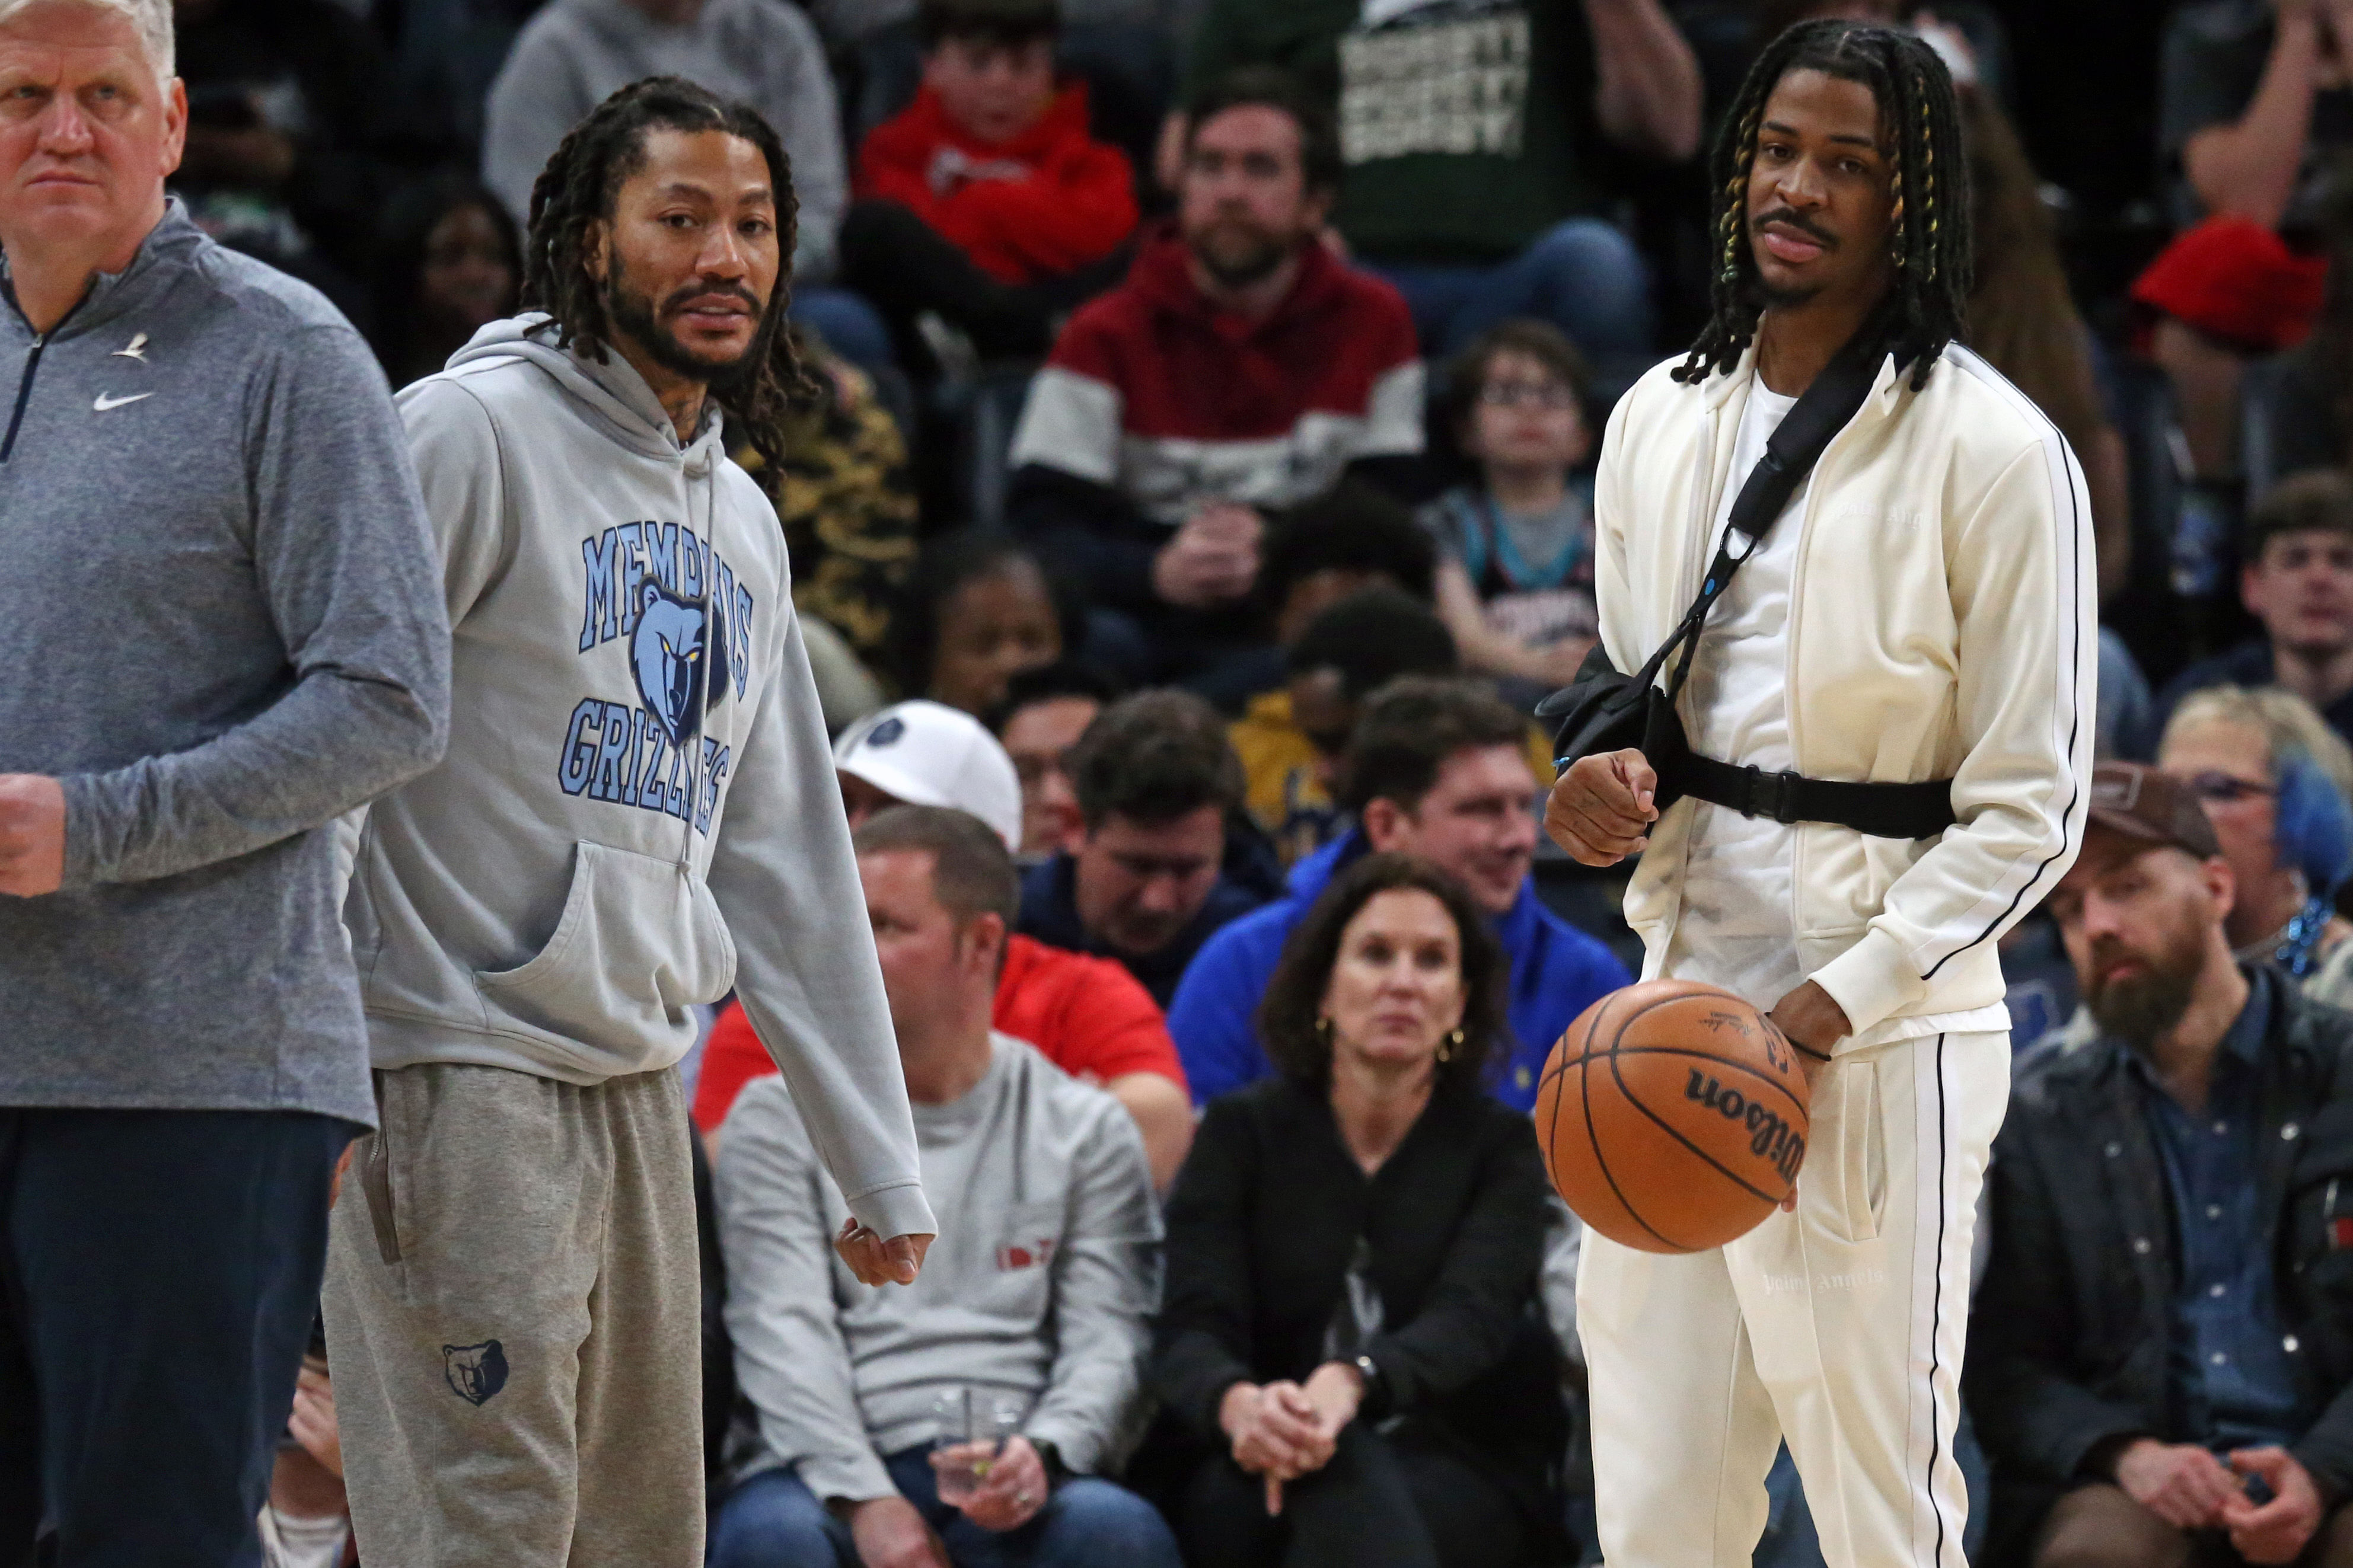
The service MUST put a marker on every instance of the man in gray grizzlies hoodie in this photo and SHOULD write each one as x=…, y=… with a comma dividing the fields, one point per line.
x=638, y=810
x=218, y=619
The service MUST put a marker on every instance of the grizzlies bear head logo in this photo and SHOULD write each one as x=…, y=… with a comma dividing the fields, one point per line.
x=475, y=1371
x=672, y=652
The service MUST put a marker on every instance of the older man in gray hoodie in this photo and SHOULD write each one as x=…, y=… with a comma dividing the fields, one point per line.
x=218, y=614
x=638, y=811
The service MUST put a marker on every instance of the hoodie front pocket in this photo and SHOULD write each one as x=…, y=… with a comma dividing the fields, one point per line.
x=639, y=941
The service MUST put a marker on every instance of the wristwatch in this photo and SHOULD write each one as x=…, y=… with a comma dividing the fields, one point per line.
x=1050, y=1457
x=1370, y=1371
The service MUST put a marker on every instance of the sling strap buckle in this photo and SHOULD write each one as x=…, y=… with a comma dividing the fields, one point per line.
x=1772, y=795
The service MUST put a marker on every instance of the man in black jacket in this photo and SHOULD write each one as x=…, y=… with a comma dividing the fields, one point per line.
x=2164, y=1341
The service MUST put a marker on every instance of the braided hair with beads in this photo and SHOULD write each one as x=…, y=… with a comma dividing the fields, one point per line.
x=1930, y=245
x=575, y=193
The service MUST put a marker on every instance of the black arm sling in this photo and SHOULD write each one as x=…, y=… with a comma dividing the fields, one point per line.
x=1604, y=710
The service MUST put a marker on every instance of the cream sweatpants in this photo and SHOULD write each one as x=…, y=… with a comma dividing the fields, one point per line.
x=1838, y=1327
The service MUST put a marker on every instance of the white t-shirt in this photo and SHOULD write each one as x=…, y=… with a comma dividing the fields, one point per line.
x=1738, y=926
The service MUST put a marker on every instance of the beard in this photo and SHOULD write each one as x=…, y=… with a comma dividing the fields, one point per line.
x=2139, y=1008
x=1774, y=299
x=1237, y=253
x=634, y=312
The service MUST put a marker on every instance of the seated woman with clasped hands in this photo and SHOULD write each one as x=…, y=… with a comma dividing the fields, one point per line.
x=1351, y=1317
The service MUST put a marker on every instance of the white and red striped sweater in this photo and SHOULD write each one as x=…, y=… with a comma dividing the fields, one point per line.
x=1155, y=403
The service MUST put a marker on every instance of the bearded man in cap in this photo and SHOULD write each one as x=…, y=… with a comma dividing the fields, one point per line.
x=2163, y=1364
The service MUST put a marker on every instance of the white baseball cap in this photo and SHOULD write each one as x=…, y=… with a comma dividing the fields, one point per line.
x=927, y=754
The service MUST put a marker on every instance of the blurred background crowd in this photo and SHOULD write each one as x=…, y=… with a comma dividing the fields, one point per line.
x=1198, y=496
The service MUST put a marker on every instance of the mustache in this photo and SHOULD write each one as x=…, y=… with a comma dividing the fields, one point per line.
x=1787, y=218
x=703, y=290
x=2107, y=951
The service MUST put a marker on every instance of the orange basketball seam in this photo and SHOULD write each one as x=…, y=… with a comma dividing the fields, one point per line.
x=1593, y=1139
x=1617, y=1036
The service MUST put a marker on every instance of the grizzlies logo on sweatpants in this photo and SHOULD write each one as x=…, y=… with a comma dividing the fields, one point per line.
x=475, y=1371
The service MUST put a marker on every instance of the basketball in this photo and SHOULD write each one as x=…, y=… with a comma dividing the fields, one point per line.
x=1673, y=1116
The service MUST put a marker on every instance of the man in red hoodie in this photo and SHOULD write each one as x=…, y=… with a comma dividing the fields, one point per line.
x=1240, y=368
x=986, y=199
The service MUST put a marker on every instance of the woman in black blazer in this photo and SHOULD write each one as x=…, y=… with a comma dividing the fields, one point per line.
x=1351, y=1325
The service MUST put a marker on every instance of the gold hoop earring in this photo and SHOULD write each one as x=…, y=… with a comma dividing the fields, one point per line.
x=1324, y=1029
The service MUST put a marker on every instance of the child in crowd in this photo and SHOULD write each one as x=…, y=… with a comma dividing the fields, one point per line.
x=1318, y=553
x=987, y=200
x=1291, y=741
x=985, y=613
x=1515, y=547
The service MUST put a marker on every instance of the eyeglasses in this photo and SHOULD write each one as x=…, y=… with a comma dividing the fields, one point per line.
x=2217, y=785
x=1527, y=394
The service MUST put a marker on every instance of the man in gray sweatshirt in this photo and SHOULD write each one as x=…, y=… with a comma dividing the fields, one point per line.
x=219, y=611
x=1034, y=1304
x=637, y=811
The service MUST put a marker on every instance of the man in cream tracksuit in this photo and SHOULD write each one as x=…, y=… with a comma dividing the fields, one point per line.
x=637, y=809
x=1922, y=612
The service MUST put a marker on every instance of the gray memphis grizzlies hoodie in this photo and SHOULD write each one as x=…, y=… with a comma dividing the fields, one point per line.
x=637, y=807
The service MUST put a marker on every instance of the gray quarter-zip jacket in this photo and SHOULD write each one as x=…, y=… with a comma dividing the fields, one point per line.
x=637, y=809
x=220, y=618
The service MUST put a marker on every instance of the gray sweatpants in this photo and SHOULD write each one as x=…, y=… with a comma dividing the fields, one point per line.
x=514, y=1324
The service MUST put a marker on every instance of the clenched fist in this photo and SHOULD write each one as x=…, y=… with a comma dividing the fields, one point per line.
x=1601, y=810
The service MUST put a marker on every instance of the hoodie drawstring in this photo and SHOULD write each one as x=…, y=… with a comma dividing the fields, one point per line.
x=697, y=767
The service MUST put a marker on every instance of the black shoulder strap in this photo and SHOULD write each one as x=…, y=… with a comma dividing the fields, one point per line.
x=1822, y=410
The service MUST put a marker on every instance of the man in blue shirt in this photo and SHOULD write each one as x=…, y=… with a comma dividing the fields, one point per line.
x=1157, y=787
x=1437, y=768
x=2160, y=1356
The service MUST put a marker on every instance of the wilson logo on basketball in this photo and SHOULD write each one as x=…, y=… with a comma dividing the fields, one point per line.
x=1769, y=1137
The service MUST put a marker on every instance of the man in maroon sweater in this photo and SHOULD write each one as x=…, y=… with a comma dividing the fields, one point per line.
x=1242, y=366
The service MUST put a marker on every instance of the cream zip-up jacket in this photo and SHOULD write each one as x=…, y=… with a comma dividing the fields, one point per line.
x=1942, y=623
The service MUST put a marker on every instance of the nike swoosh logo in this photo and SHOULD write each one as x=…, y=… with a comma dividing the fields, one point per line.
x=102, y=402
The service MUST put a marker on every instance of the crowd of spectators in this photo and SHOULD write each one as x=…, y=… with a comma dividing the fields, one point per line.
x=1196, y=499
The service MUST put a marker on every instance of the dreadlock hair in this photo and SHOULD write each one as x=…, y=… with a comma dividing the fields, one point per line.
x=1933, y=254
x=575, y=193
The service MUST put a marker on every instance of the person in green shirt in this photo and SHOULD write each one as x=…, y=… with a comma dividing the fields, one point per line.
x=1476, y=134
